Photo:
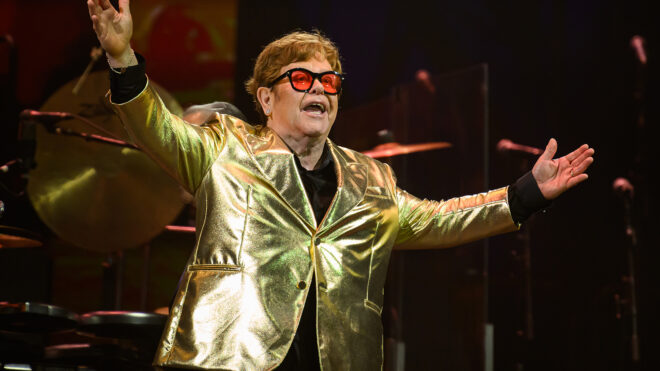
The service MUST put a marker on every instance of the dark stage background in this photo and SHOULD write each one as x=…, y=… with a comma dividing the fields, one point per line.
x=561, y=69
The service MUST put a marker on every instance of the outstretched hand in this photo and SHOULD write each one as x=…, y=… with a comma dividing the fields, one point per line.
x=113, y=28
x=555, y=176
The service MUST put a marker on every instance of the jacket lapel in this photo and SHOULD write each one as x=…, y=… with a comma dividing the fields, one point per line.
x=351, y=184
x=277, y=165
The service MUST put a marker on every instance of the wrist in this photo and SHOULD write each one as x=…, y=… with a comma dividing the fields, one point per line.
x=124, y=60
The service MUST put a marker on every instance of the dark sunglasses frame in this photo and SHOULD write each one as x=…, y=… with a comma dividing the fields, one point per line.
x=315, y=76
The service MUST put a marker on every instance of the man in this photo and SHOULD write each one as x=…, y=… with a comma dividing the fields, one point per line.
x=294, y=233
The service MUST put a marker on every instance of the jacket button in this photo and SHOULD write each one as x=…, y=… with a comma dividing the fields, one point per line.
x=317, y=241
x=301, y=285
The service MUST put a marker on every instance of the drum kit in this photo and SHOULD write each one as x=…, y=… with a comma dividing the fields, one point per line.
x=95, y=190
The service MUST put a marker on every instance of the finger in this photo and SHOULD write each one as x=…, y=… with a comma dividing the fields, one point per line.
x=550, y=150
x=583, y=166
x=576, y=180
x=90, y=8
x=573, y=155
x=97, y=25
x=124, y=7
x=583, y=156
x=105, y=4
x=94, y=7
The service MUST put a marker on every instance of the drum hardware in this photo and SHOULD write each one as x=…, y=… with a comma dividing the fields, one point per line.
x=123, y=325
x=105, y=189
x=118, y=340
x=94, y=54
x=97, y=194
x=91, y=356
x=13, y=237
x=29, y=317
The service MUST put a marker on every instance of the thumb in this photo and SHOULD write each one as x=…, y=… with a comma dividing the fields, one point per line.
x=550, y=150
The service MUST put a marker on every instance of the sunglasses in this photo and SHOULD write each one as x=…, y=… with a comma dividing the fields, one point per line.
x=302, y=80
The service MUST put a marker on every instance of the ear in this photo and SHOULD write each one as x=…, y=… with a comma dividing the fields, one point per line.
x=265, y=97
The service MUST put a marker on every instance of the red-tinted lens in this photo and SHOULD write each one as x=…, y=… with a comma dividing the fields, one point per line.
x=331, y=83
x=301, y=80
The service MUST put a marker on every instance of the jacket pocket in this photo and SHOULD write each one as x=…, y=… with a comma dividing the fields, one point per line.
x=215, y=267
x=377, y=192
x=373, y=306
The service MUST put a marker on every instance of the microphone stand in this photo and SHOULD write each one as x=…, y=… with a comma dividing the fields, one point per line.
x=631, y=233
x=94, y=138
x=525, y=261
x=636, y=208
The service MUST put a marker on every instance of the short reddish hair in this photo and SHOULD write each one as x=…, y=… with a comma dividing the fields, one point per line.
x=294, y=47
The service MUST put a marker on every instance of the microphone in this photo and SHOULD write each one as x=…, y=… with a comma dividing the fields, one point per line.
x=424, y=77
x=637, y=43
x=8, y=39
x=514, y=149
x=48, y=119
x=623, y=188
x=28, y=114
x=27, y=132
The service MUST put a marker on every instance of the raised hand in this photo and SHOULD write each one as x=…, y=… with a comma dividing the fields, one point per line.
x=113, y=28
x=555, y=176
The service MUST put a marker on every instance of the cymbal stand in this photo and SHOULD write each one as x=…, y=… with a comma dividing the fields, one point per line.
x=144, y=291
x=113, y=279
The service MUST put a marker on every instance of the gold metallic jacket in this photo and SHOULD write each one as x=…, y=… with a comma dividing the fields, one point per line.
x=259, y=245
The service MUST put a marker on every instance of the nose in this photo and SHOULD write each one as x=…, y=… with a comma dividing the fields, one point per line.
x=317, y=87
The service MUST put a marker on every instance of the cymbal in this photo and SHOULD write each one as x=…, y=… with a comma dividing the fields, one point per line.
x=94, y=195
x=31, y=317
x=12, y=237
x=396, y=149
x=123, y=324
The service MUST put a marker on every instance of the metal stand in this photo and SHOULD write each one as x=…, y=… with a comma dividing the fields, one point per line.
x=113, y=280
x=113, y=276
x=625, y=190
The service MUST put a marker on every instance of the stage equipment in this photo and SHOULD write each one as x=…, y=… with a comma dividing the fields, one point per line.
x=508, y=147
x=638, y=44
x=123, y=325
x=94, y=189
x=526, y=154
x=29, y=317
x=626, y=191
x=395, y=149
x=14, y=237
x=180, y=228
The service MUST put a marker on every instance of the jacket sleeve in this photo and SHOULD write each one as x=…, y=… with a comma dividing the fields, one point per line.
x=427, y=224
x=183, y=150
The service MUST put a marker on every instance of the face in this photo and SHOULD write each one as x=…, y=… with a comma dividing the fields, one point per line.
x=298, y=114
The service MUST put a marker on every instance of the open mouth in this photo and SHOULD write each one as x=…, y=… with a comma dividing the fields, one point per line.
x=314, y=108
